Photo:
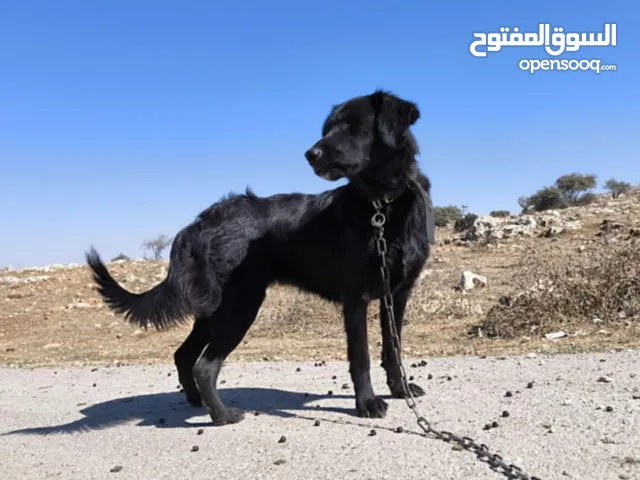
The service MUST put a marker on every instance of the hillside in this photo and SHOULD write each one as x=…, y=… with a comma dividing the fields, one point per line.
x=573, y=272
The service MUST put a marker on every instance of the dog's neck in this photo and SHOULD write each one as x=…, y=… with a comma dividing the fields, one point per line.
x=388, y=179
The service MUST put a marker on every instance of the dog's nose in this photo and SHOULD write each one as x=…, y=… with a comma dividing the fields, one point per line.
x=313, y=154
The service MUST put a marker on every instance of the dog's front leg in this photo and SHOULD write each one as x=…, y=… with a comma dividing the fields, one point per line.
x=389, y=359
x=355, y=319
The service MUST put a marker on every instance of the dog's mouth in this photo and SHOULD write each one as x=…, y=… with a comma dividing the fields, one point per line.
x=328, y=172
x=330, y=175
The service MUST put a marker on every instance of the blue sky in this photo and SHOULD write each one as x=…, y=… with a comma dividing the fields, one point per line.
x=121, y=120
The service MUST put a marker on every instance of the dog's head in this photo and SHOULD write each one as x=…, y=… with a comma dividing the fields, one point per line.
x=362, y=132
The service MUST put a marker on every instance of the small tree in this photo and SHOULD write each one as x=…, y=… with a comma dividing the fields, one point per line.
x=546, y=198
x=157, y=245
x=445, y=215
x=121, y=256
x=617, y=187
x=571, y=186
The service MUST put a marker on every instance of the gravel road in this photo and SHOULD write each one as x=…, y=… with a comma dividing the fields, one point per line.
x=566, y=417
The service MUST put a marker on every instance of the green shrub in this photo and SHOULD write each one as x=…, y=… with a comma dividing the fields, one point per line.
x=500, y=213
x=586, y=199
x=465, y=223
x=546, y=198
x=446, y=215
x=617, y=187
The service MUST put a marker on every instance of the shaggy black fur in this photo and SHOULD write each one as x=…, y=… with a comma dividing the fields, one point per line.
x=222, y=263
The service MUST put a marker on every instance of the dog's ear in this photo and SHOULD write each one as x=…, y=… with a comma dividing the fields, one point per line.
x=394, y=116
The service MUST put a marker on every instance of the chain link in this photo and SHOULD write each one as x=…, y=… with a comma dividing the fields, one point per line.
x=467, y=443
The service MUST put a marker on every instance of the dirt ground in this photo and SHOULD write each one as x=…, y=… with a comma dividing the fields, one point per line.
x=51, y=316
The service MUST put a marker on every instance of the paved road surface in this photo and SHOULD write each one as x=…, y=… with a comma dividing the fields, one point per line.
x=81, y=423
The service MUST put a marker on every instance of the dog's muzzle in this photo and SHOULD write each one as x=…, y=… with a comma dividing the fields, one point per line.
x=321, y=164
x=313, y=155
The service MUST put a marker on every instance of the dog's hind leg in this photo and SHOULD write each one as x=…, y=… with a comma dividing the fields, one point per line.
x=238, y=309
x=389, y=361
x=185, y=358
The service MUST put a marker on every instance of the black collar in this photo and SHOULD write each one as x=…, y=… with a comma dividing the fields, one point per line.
x=412, y=184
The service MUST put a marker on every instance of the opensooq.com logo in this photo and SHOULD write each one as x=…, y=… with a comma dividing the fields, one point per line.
x=555, y=41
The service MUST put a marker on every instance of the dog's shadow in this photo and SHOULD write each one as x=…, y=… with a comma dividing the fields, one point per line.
x=170, y=410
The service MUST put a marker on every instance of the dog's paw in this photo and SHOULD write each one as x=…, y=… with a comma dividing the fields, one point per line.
x=227, y=416
x=416, y=391
x=372, y=408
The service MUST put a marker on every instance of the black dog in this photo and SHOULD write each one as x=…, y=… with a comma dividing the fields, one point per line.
x=222, y=263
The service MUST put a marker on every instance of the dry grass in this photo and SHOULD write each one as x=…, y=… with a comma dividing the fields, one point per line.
x=600, y=282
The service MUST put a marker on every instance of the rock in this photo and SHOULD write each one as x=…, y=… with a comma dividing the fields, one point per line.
x=605, y=380
x=553, y=231
x=555, y=335
x=608, y=226
x=52, y=267
x=18, y=295
x=573, y=225
x=80, y=306
x=486, y=227
x=470, y=280
x=425, y=273
x=22, y=281
x=603, y=211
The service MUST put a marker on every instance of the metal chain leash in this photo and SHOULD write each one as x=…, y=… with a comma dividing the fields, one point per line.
x=481, y=450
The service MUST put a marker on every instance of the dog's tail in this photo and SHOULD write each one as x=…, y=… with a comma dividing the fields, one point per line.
x=163, y=306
